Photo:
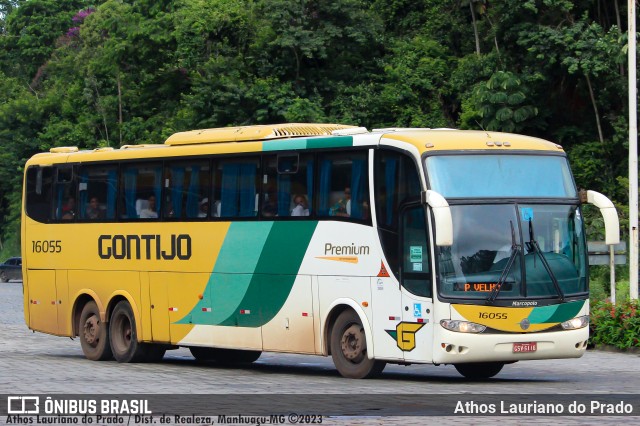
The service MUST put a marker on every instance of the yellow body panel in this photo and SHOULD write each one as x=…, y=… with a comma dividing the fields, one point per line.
x=55, y=281
x=456, y=140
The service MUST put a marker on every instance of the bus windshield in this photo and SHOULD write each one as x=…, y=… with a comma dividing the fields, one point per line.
x=484, y=242
x=500, y=175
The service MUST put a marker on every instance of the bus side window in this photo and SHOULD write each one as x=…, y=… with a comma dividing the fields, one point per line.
x=187, y=188
x=287, y=184
x=343, y=188
x=238, y=187
x=39, y=191
x=97, y=189
x=65, y=194
x=140, y=183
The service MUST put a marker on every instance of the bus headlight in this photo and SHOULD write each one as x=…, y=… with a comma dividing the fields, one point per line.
x=578, y=322
x=462, y=326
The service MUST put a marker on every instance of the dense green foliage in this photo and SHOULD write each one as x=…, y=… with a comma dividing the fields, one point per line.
x=114, y=72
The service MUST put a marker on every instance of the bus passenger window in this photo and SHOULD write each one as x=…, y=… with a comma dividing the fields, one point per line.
x=343, y=189
x=141, y=190
x=65, y=194
x=97, y=190
x=237, y=187
x=187, y=184
x=39, y=191
x=287, y=180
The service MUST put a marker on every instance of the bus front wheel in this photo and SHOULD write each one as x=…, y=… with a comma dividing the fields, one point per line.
x=124, y=338
x=349, y=348
x=94, y=335
x=479, y=370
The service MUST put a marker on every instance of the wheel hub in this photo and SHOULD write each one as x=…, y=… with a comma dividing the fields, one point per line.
x=352, y=343
x=91, y=330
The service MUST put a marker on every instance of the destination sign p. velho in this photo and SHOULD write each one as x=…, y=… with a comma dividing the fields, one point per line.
x=481, y=287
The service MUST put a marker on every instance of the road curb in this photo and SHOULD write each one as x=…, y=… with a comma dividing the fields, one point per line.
x=610, y=348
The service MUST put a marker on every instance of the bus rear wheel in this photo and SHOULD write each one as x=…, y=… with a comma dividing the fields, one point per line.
x=349, y=348
x=479, y=370
x=94, y=334
x=124, y=338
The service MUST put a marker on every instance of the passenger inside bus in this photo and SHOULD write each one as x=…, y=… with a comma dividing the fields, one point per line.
x=270, y=206
x=93, y=209
x=69, y=209
x=343, y=206
x=301, y=206
x=150, y=211
x=204, y=208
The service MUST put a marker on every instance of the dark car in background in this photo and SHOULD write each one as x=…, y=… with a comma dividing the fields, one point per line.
x=11, y=269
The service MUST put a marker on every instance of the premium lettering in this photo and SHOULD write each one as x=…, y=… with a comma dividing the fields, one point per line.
x=145, y=246
x=330, y=249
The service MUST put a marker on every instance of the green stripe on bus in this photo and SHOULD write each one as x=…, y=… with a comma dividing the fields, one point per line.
x=254, y=273
x=275, y=274
x=555, y=313
x=566, y=311
x=231, y=277
x=331, y=142
x=284, y=144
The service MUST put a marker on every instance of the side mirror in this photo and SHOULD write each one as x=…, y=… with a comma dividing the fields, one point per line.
x=609, y=214
x=442, y=216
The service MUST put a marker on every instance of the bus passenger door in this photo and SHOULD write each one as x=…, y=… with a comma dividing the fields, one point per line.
x=415, y=332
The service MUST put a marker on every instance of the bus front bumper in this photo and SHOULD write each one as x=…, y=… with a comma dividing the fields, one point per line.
x=452, y=348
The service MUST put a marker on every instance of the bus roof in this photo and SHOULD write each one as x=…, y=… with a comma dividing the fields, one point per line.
x=429, y=140
x=300, y=136
x=254, y=133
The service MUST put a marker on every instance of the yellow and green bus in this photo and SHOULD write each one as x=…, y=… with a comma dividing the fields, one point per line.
x=387, y=246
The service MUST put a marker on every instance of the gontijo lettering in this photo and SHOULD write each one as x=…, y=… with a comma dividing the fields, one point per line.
x=144, y=246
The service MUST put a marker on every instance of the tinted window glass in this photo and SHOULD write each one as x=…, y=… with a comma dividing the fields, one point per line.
x=187, y=189
x=236, y=187
x=97, y=189
x=65, y=202
x=343, y=186
x=140, y=191
x=287, y=186
x=39, y=193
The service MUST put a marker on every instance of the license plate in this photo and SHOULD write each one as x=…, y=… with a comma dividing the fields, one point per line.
x=525, y=347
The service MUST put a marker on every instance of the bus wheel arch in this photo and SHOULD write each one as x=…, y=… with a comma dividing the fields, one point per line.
x=335, y=310
x=348, y=338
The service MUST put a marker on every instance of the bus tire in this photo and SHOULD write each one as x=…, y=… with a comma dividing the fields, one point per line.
x=94, y=334
x=124, y=337
x=349, y=348
x=479, y=370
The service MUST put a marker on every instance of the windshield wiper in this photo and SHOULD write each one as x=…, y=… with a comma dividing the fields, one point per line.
x=515, y=249
x=535, y=247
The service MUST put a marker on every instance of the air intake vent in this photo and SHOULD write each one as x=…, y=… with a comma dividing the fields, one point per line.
x=254, y=133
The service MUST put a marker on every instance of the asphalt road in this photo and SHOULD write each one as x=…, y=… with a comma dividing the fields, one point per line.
x=35, y=363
